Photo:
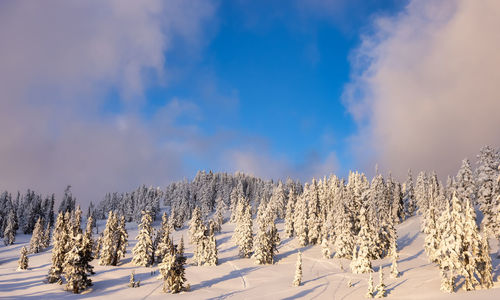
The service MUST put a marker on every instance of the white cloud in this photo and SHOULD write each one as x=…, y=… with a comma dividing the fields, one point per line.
x=59, y=61
x=425, y=89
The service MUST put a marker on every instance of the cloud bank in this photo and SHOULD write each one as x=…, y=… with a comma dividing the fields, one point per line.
x=59, y=62
x=424, y=88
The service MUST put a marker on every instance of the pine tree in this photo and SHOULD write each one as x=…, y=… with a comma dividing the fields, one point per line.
x=196, y=234
x=433, y=237
x=9, y=234
x=290, y=213
x=381, y=286
x=371, y=290
x=88, y=247
x=46, y=236
x=344, y=237
x=107, y=242
x=267, y=239
x=409, y=196
x=395, y=256
x=60, y=241
x=22, y=264
x=132, y=283
x=165, y=244
x=298, y=270
x=243, y=234
x=143, y=250
x=487, y=173
x=325, y=247
x=36, y=242
x=120, y=238
x=484, y=266
x=210, y=250
x=172, y=272
x=361, y=258
x=75, y=267
x=314, y=214
x=180, y=251
x=421, y=192
x=300, y=222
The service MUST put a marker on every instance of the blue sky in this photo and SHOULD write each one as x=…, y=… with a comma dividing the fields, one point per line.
x=107, y=95
x=275, y=73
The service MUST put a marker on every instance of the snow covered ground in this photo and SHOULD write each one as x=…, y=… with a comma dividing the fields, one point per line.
x=236, y=278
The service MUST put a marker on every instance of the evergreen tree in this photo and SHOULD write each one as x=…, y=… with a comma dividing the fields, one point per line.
x=132, y=283
x=36, y=242
x=9, y=234
x=243, y=234
x=22, y=264
x=143, y=250
x=381, y=286
x=409, y=196
x=180, y=251
x=298, y=270
x=267, y=239
x=371, y=290
x=196, y=235
x=165, y=244
x=395, y=256
x=88, y=247
x=314, y=214
x=345, y=238
x=421, y=192
x=290, y=213
x=46, y=236
x=121, y=242
x=361, y=259
x=107, y=242
x=484, y=266
x=60, y=240
x=300, y=222
x=75, y=267
x=487, y=173
x=172, y=272
x=210, y=249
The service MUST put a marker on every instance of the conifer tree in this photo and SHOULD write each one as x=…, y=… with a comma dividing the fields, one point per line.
x=298, y=270
x=290, y=213
x=9, y=234
x=60, y=240
x=344, y=237
x=210, y=250
x=432, y=238
x=121, y=242
x=107, y=241
x=75, y=267
x=46, y=236
x=36, y=242
x=165, y=244
x=395, y=256
x=484, y=266
x=172, y=272
x=132, y=283
x=409, y=196
x=22, y=264
x=180, y=250
x=314, y=214
x=487, y=173
x=243, y=234
x=300, y=222
x=371, y=290
x=196, y=235
x=362, y=255
x=143, y=250
x=381, y=286
x=88, y=247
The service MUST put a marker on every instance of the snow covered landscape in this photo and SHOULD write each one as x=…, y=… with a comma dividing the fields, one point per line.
x=246, y=149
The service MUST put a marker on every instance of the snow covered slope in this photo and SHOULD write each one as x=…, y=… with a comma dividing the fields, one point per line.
x=236, y=278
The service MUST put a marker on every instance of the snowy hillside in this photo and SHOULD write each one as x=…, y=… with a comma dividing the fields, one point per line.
x=237, y=278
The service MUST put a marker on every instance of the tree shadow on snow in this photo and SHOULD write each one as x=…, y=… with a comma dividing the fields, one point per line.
x=231, y=275
x=406, y=240
x=283, y=255
x=304, y=293
x=393, y=286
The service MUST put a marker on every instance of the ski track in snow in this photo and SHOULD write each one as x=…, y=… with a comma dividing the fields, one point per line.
x=239, y=274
